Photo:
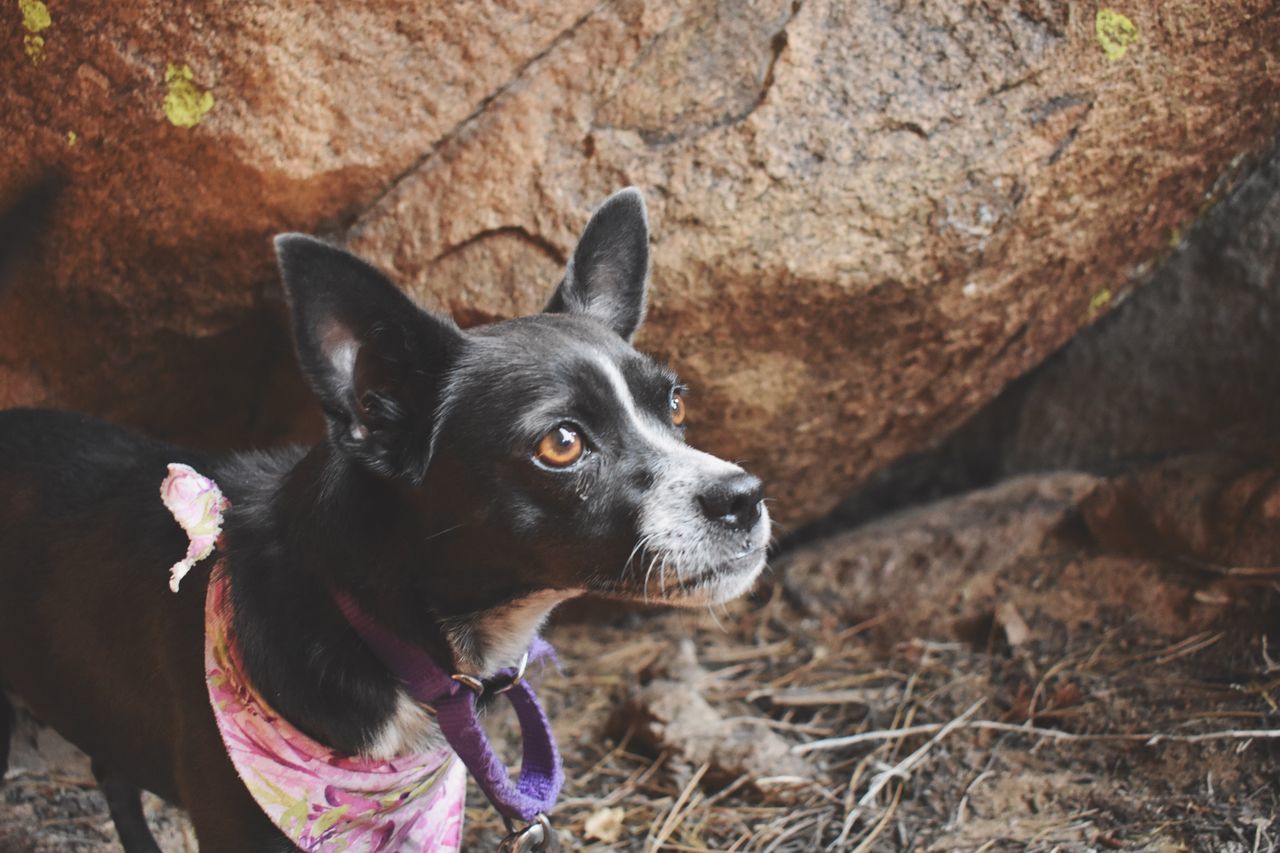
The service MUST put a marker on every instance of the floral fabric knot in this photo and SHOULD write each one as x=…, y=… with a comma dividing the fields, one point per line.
x=197, y=505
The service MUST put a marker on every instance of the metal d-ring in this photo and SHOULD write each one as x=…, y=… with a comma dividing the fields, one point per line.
x=537, y=836
x=517, y=678
x=478, y=686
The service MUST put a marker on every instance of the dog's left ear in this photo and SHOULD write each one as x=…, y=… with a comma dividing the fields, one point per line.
x=376, y=360
x=607, y=276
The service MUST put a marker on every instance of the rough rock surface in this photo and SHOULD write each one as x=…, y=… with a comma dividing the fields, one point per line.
x=1176, y=543
x=867, y=219
x=948, y=569
x=1188, y=363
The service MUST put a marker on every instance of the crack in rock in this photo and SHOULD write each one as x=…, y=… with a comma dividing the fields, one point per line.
x=354, y=228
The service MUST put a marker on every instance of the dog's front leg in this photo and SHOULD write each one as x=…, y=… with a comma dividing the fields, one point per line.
x=124, y=801
x=224, y=815
x=225, y=825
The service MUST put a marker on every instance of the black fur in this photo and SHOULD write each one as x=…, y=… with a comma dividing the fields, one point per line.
x=382, y=403
x=124, y=802
x=425, y=504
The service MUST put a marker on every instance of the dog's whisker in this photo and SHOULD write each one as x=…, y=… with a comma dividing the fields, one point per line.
x=626, y=565
x=653, y=562
x=641, y=545
x=715, y=618
x=440, y=533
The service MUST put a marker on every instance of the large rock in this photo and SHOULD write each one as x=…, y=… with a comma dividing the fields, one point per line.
x=866, y=221
x=191, y=134
x=1187, y=364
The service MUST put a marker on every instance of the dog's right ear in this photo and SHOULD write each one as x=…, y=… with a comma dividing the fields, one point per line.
x=376, y=360
x=607, y=277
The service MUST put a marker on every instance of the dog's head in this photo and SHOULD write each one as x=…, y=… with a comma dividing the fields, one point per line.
x=540, y=454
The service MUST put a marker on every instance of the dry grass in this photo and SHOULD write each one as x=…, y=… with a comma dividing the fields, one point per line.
x=1099, y=739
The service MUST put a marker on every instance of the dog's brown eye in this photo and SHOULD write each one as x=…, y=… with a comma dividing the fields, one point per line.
x=561, y=447
x=677, y=408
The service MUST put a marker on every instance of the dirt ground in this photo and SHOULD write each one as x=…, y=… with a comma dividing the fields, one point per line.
x=999, y=671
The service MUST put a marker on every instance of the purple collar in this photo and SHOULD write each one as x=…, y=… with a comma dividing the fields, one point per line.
x=453, y=698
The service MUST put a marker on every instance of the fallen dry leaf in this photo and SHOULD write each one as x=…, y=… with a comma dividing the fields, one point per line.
x=605, y=824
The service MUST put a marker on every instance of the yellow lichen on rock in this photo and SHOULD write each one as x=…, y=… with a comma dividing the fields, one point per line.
x=1114, y=32
x=35, y=15
x=184, y=103
x=34, y=47
x=35, y=18
x=1099, y=301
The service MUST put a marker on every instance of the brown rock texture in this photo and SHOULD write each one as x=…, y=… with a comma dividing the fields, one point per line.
x=1169, y=547
x=1187, y=363
x=866, y=218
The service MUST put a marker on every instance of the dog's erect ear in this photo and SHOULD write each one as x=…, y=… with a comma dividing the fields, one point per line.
x=609, y=271
x=376, y=361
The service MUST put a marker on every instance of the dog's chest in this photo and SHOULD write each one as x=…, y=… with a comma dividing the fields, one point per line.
x=410, y=729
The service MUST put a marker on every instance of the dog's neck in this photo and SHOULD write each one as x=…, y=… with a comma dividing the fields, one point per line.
x=301, y=527
x=486, y=642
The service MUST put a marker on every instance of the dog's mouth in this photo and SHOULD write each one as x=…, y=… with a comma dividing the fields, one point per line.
x=697, y=551
x=663, y=578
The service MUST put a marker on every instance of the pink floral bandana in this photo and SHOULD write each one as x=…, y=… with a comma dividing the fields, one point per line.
x=197, y=505
x=321, y=800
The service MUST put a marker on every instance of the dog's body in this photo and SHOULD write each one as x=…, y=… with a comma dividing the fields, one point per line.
x=471, y=481
x=88, y=639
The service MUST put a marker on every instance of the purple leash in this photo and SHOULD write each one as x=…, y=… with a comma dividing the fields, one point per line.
x=453, y=698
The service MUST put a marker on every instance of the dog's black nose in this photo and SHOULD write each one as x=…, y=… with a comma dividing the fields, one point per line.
x=734, y=501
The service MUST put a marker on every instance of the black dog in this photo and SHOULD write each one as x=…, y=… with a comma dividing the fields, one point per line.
x=470, y=482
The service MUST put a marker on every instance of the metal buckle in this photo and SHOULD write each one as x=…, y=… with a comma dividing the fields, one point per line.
x=476, y=685
x=537, y=836
x=479, y=687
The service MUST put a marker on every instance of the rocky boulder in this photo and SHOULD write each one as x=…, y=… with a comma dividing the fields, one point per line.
x=866, y=219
